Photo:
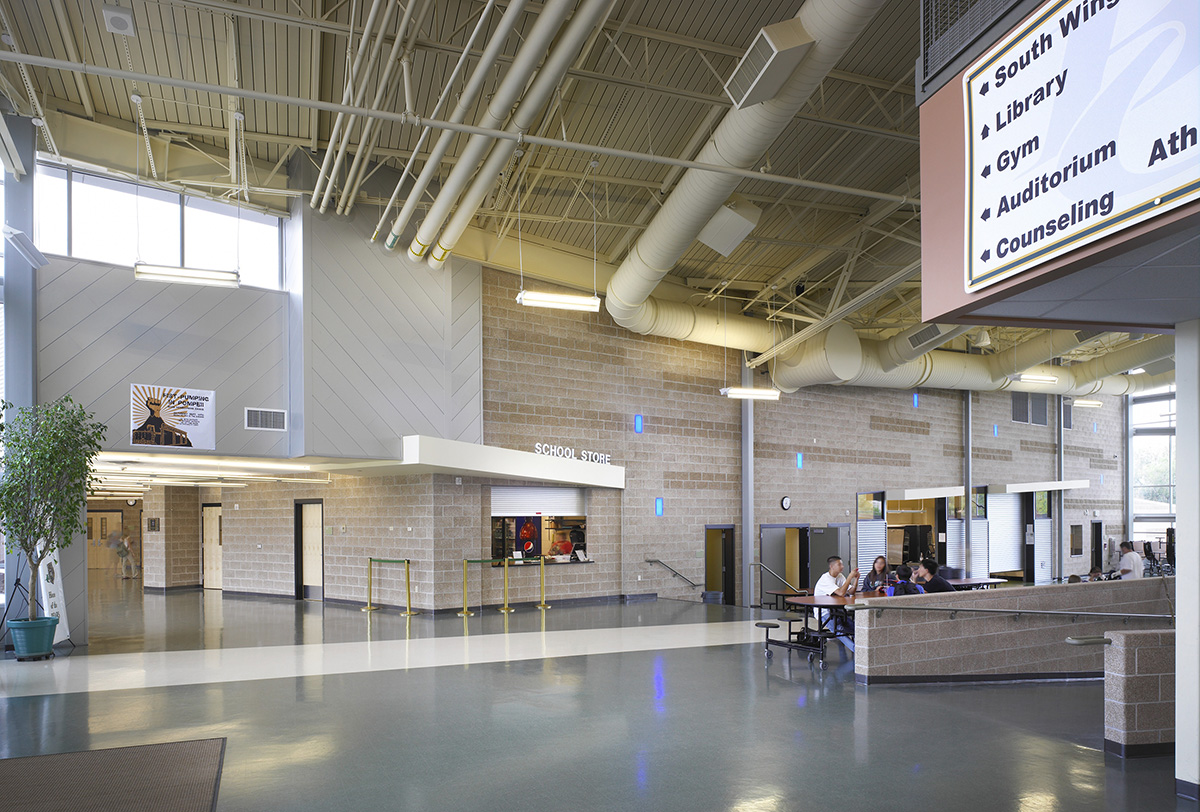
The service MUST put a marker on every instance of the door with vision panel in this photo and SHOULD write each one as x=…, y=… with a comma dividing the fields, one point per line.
x=310, y=550
x=210, y=519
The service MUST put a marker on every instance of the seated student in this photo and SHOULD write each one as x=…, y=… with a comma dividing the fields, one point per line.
x=835, y=583
x=1074, y=579
x=1095, y=575
x=905, y=586
x=933, y=582
x=877, y=578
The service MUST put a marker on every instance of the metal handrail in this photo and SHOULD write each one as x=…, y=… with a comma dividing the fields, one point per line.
x=1016, y=613
x=777, y=575
x=1091, y=640
x=691, y=583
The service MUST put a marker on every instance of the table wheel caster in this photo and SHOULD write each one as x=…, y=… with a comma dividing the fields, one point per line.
x=768, y=653
x=811, y=657
x=824, y=665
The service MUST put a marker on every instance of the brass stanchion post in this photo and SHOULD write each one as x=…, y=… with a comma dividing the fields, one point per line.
x=408, y=590
x=369, y=607
x=542, y=573
x=506, y=608
x=465, y=611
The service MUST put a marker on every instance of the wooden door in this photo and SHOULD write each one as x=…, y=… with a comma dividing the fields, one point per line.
x=212, y=545
x=312, y=546
x=100, y=525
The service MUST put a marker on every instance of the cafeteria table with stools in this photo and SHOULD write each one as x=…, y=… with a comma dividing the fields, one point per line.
x=816, y=631
x=975, y=583
x=776, y=594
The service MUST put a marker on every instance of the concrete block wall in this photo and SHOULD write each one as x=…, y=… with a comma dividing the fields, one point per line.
x=171, y=555
x=369, y=517
x=914, y=646
x=426, y=518
x=576, y=379
x=1139, y=693
x=854, y=440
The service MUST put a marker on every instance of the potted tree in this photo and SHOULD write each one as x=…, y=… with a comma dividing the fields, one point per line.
x=47, y=457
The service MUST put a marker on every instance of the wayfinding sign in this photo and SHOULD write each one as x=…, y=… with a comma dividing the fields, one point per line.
x=1081, y=122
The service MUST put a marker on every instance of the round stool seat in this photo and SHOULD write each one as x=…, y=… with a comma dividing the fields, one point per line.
x=765, y=624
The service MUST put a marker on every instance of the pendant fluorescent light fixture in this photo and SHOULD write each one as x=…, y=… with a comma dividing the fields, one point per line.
x=559, y=301
x=750, y=393
x=1033, y=378
x=185, y=276
x=1087, y=404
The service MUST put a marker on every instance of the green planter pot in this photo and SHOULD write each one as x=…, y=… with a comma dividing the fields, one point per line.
x=33, y=639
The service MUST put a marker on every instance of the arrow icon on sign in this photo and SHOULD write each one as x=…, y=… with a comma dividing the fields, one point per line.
x=983, y=89
x=986, y=255
x=985, y=131
x=987, y=170
x=986, y=214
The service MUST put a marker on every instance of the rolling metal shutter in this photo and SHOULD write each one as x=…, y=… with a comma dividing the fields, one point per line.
x=532, y=501
x=872, y=541
x=1006, y=536
x=956, y=545
x=980, y=544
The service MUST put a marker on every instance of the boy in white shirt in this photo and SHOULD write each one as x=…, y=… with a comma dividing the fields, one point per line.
x=1131, y=562
x=835, y=583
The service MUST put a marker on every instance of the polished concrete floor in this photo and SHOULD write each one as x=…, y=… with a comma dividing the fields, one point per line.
x=660, y=705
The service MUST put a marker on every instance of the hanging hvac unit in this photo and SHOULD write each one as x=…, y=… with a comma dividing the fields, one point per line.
x=768, y=63
x=731, y=224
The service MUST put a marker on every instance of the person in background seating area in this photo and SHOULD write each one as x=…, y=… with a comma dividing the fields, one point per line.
x=1074, y=579
x=905, y=585
x=1095, y=575
x=927, y=574
x=833, y=582
x=838, y=585
x=1131, y=563
x=877, y=578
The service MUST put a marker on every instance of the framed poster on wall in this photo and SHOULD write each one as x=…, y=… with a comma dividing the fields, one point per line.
x=171, y=417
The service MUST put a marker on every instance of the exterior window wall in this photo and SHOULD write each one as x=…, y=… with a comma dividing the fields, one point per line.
x=118, y=222
x=1152, y=459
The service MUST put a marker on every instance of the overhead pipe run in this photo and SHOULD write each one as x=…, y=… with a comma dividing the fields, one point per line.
x=360, y=94
x=466, y=101
x=401, y=49
x=739, y=141
x=589, y=14
x=537, y=43
x=347, y=94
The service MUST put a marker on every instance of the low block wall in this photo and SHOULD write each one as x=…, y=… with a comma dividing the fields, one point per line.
x=1139, y=693
x=916, y=646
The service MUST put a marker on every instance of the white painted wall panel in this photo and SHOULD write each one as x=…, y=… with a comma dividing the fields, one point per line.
x=393, y=347
x=99, y=331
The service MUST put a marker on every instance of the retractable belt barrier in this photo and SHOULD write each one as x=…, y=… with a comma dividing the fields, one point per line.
x=466, y=611
x=371, y=607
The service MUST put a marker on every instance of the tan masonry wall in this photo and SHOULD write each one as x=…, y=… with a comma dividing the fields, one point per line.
x=1139, y=692
x=914, y=646
x=577, y=380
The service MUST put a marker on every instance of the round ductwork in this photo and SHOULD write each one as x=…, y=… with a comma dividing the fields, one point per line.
x=834, y=356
